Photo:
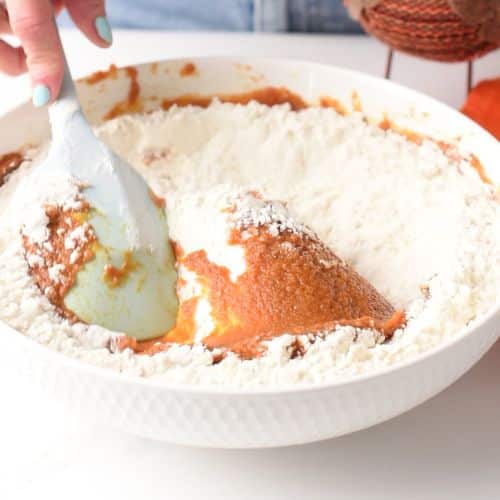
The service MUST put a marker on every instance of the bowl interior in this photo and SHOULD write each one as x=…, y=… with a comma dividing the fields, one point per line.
x=222, y=76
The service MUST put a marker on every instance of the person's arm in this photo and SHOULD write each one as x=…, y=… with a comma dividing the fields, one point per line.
x=40, y=52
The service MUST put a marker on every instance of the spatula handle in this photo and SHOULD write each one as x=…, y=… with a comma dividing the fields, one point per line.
x=68, y=89
x=66, y=104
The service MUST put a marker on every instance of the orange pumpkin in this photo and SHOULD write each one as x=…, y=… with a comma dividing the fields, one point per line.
x=483, y=105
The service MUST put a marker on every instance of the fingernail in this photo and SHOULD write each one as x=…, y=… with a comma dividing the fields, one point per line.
x=104, y=29
x=41, y=95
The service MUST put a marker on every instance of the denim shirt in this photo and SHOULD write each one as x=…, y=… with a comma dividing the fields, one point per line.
x=232, y=15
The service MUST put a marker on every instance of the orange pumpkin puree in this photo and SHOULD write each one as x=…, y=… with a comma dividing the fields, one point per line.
x=356, y=102
x=189, y=69
x=157, y=200
x=132, y=104
x=269, y=96
x=182, y=333
x=99, y=76
x=478, y=166
x=117, y=276
x=330, y=102
x=448, y=149
x=8, y=164
x=293, y=284
x=61, y=224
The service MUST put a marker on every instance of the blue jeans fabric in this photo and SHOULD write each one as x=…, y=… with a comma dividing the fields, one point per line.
x=232, y=15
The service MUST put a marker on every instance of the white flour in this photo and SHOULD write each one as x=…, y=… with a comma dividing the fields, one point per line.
x=405, y=216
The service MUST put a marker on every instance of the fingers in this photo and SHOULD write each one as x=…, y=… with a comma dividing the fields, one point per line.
x=12, y=59
x=4, y=21
x=5, y=28
x=32, y=21
x=90, y=17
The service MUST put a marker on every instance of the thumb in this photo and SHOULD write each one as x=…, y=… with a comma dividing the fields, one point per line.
x=32, y=21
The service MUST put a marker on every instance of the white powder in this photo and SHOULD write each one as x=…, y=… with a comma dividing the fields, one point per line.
x=406, y=217
x=55, y=272
x=28, y=210
x=35, y=260
x=74, y=256
x=197, y=221
x=252, y=211
x=77, y=236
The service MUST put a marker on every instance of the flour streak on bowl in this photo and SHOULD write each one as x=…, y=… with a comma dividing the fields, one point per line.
x=252, y=418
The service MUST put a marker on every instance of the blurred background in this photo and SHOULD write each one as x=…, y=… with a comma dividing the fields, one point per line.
x=319, y=16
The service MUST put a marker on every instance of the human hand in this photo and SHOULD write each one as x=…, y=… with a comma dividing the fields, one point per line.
x=40, y=53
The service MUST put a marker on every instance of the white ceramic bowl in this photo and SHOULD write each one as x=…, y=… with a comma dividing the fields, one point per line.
x=255, y=418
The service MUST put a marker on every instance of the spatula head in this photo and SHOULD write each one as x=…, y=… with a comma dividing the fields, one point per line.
x=129, y=285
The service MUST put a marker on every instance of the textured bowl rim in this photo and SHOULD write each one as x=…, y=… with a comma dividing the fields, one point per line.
x=113, y=376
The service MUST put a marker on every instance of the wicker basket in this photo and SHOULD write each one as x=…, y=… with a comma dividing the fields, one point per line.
x=443, y=30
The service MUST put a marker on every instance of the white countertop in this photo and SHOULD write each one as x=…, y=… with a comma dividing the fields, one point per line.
x=448, y=448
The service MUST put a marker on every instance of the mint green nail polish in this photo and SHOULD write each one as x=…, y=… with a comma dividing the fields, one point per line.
x=104, y=29
x=41, y=95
